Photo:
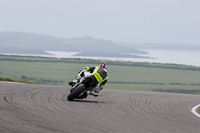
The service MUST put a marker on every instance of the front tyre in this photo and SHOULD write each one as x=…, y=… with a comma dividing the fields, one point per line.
x=77, y=91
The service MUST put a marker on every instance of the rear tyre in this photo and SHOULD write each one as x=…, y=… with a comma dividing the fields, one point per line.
x=76, y=92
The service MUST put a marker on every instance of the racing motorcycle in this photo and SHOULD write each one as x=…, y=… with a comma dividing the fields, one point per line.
x=86, y=83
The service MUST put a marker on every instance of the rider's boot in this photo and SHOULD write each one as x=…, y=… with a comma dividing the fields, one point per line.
x=93, y=93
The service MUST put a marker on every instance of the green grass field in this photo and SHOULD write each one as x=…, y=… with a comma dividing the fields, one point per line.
x=122, y=75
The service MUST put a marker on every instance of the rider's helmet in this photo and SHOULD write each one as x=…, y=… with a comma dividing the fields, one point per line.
x=103, y=65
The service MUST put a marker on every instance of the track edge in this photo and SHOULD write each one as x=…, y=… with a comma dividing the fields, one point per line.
x=196, y=110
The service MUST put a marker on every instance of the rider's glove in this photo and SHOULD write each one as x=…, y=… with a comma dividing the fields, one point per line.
x=78, y=78
x=86, y=68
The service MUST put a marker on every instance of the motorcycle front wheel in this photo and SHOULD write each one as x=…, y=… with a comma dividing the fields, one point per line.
x=77, y=91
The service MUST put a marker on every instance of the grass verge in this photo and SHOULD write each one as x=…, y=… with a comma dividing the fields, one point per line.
x=122, y=75
x=198, y=110
x=11, y=80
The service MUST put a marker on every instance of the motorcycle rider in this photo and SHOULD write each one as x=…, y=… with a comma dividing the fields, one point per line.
x=100, y=73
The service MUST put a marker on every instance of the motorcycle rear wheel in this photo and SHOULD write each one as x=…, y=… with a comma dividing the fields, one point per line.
x=76, y=92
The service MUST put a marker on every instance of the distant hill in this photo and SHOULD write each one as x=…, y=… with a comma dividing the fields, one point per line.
x=161, y=46
x=29, y=43
x=19, y=50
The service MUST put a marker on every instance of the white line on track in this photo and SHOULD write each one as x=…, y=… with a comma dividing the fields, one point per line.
x=194, y=110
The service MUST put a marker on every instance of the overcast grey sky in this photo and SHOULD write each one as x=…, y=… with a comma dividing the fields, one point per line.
x=168, y=21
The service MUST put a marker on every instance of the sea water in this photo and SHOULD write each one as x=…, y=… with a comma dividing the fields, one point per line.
x=157, y=56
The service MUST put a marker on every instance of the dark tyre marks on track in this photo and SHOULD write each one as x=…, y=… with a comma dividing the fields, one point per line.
x=40, y=108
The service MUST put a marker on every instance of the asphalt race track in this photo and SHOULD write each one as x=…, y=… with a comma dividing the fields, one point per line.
x=28, y=108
